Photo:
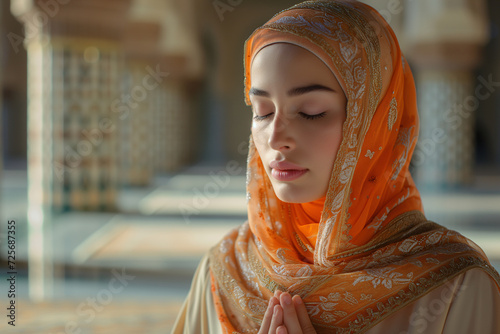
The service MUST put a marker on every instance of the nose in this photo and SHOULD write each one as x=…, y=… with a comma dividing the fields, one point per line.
x=281, y=138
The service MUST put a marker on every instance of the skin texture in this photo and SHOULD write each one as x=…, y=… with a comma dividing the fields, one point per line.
x=302, y=127
x=286, y=315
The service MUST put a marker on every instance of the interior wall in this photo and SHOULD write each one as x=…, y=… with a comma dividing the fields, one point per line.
x=488, y=116
x=14, y=107
x=222, y=27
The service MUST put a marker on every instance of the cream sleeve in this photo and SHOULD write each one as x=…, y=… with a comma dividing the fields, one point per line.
x=468, y=304
x=198, y=314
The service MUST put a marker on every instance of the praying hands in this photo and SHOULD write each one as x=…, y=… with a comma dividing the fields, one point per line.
x=286, y=315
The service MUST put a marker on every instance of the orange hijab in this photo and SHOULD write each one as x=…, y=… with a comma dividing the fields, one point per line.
x=366, y=249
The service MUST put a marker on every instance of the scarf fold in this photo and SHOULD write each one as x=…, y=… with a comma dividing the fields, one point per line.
x=365, y=250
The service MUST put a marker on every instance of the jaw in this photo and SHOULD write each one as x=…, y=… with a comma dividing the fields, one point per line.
x=298, y=191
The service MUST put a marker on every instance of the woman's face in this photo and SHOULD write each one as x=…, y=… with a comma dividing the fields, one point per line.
x=299, y=109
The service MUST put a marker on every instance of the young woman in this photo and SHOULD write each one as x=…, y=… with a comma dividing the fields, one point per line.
x=336, y=239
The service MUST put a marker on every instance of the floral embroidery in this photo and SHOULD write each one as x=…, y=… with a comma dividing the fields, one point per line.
x=384, y=252
x=355, y=264
x=434, y=238
x=369, y=154
x=327, y=307
x=257, y=305
x=226, y=245
x=409, y=245
x=360, y=74
x=377, y=222
x=366, y=297
x=348, y=297
x=305, y=271
x=393, y=114
x=347, y=167
x=432, y=260
x=335, y=311
x=405, y=139
x=384, y=276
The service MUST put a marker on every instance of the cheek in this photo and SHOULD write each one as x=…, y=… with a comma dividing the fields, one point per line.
x=259, y=138
x=327, y=147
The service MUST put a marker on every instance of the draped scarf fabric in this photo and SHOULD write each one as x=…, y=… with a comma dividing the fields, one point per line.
x=365, y=250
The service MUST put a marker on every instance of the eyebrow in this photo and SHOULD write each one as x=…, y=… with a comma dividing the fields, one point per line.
x=294, y=91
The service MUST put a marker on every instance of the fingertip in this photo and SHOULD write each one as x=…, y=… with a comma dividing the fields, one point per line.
x=281, y=330
x=297, y=300
x=277, y=293
x=286, y=298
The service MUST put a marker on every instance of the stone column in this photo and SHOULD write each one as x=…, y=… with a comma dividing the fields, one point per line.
x=74, y=60
x=1, y=120
x=444, y=42
x=138, y=120
x=176, y=125
x=181, y=56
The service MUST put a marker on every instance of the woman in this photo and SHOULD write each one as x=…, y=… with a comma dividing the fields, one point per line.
x=336, y=239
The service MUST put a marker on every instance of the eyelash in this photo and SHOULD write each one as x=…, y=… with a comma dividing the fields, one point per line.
x=303, y=115
x=261, y=118
x=311, y=117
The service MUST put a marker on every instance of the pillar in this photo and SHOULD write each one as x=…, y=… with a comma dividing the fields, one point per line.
x=1, y=117
x=176, y=125
x=176, y=122
x=74, y=60
x=138, y=118
x=444, y=45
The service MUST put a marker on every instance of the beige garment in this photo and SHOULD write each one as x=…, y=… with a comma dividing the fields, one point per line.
x=469, y=304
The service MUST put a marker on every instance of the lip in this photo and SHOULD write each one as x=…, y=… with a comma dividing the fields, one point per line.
x=286, y=171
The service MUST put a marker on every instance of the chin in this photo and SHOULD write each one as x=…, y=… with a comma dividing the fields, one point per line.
x=291, y=194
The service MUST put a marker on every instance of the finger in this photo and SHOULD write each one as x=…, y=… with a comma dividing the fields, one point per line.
x=266, y=321
x=277, y=319
x=304, y=320
x=289, y=314
x=277, y=293
x=281, y=330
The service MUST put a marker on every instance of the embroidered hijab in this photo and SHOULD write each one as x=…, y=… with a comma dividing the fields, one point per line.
x=372, y=251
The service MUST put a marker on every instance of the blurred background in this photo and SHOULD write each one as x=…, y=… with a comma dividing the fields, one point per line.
x=124, y=139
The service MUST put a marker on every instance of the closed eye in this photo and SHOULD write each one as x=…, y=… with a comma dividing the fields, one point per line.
x=261, y=118
x=311, y=117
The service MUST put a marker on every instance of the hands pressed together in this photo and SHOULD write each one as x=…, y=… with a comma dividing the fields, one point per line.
x=286, y=315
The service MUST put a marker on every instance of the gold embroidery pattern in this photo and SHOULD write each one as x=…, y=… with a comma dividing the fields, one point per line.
x=264, y=278
x=370, y=317
x=327, y=307
x=248, y=272
x=393, y=114
x=301, y=244
x=347, y=60
x=406, y=139
x=378, y=267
